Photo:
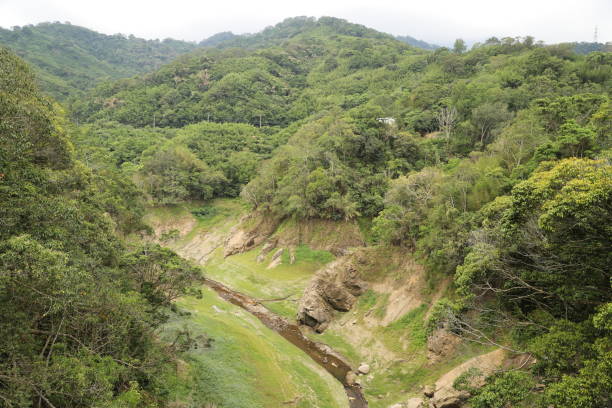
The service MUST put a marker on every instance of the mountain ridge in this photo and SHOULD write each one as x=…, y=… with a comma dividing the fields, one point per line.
x=227, y=39
x=69, y=59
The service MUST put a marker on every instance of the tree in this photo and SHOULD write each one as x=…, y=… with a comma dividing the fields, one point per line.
x=406, y=206
x=160, y=274
x=488, y=117
x=459, y=47
x=547, y=246
x=74, y=332
x=173, y=175
x=447, y=117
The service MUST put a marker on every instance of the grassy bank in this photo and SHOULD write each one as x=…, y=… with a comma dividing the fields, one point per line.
x=247, y=365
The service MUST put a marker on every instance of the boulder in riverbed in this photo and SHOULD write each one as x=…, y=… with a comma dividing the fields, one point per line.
x=364, y=368
x=441, y=343
x=351, y=378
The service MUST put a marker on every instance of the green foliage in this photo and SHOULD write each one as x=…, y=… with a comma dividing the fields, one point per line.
x=199, y=161
x=544, y=250
x=412, y=322
x=590, y=388
x=173, y=174
x=70, y=59
x=233, y=149
x=160, y=274
x=112, y=145
x=459, y=47
x=327, y=170
x=340, y=157
x=502, y=390
x=549, y=239
x=464, y=382
x=489, y=117
x=443, y=311
x=493, y=164
x=78, y=325
x=603, y=318
x=407, y=202
x=562, y=349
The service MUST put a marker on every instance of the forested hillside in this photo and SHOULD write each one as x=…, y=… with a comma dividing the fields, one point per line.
x=294, y=26
x=279, y=76
x=69, y=59
x=490, y=166
x=79, y=309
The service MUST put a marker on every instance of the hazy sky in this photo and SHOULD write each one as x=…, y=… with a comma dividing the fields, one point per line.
x=437, y=21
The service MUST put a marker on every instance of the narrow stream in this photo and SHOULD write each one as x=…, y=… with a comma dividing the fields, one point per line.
x=322, y=354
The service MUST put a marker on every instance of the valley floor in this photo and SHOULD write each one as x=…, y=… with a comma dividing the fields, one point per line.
x=249, y=365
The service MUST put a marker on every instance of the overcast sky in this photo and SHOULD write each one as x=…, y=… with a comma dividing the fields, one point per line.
x=436, y=21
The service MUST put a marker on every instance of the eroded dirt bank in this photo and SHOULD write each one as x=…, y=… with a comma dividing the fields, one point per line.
x=322, y=354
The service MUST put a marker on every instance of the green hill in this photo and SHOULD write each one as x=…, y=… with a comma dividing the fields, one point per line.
x=292, y=27
x=69, y=59
x=79, y=320
x=283, y=74
x=296, y=25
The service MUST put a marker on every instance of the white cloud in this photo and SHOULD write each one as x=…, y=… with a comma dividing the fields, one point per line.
x=439, y=21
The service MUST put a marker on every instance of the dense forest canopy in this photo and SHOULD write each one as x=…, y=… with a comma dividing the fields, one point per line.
x=69, y=59
x=78, y=308
x=268, y=84
x=492, y=164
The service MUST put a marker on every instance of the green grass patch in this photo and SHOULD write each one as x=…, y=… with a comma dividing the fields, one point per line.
x=304, y=254
x=248, y=365
x=367, y=300
x=371, y=300
x=381, y=309
x=412, y=323
x=405, y=378
x=217, y=213
x=242, y=272
x=166, y=213
x=206, y=211
x=339, y=344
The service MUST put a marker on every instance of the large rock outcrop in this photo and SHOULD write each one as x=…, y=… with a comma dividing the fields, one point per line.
x=335, y=287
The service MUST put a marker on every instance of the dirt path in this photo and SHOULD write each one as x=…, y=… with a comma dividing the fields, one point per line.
x=322, y=354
